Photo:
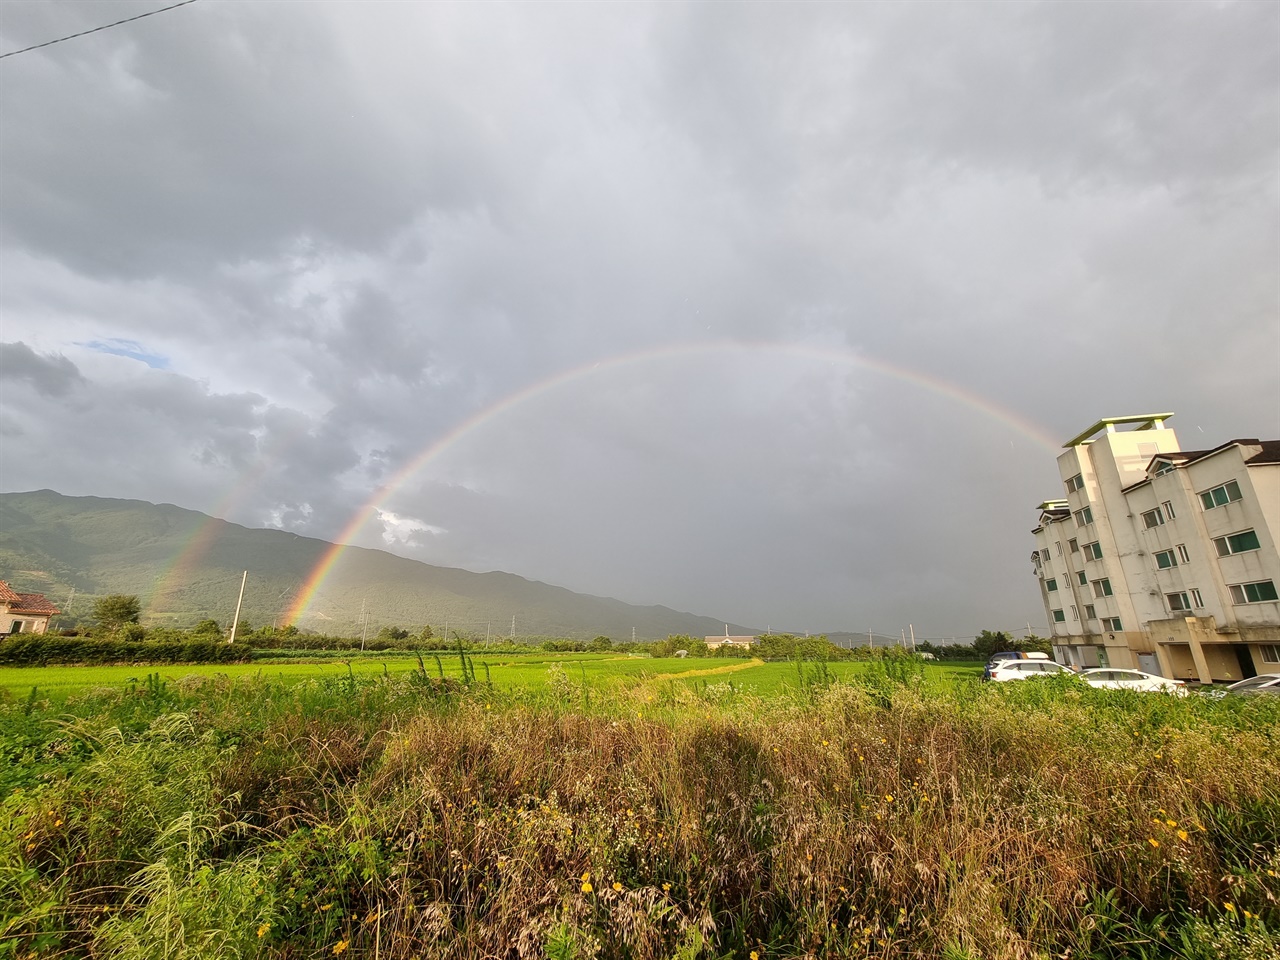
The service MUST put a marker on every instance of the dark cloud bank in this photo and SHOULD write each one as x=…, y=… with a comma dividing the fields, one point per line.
x=257, y=258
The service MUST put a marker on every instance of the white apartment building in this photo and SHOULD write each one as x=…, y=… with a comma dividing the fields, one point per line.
x=1163, y=559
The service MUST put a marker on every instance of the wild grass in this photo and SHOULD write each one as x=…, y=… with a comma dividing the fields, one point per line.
x=889, y=814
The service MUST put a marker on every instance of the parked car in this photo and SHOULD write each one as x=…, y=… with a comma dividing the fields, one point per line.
x=1003, y=670
x=1004, y=655
x=1263, y=683
x=1109, y=678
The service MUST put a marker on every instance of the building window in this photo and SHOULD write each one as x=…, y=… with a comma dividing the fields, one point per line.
x=1177, y=601
x=1219, y=496
x=1165, y=559
x=1163, y=466
x=1237, y=543
x=1051, y=584
x=1083, y=516
x=1168, y=510
x=1196, y=600
x=1270, y=652
x=1075, y=483
x=1082, y=577
x=1092, y=551
x=1059, y=616
x=1090, y=612
x=1152, y=518
x=1259, y=592
x=1075, y=615
x=1058, y=544
x=1074, y=545
x=1044, y=554
x=1183, y=554
x=1112, y=624
x=1102, y=588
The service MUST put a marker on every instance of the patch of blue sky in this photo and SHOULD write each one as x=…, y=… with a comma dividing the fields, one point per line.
x=131, y=349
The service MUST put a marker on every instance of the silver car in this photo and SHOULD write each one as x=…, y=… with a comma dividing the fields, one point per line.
x=1263, y=683
x=1108, y=678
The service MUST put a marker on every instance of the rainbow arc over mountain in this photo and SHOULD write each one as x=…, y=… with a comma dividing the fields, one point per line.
x=315, y=581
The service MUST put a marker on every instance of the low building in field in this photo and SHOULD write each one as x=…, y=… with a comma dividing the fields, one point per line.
x=24, y=612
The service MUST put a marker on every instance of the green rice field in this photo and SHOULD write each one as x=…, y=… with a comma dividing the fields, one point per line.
x=601, y=807
x=505, y=673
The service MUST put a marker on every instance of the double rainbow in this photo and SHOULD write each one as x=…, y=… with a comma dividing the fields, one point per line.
x=329, y=559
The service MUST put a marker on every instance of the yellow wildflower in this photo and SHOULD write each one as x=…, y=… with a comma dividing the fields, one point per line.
x=1153, y=841
x=1182, y=834
x=755, y=955
x=1229, y=906
x=666, y=888
x=586, y=886
x=1172, y=823
x=617, y=887
x=340, y=947
x=262, y=930
x=888, y=798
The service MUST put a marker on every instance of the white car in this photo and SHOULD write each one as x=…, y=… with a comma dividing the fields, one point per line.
x=1108, y=678
x=1263, y=683
x=1003, y=670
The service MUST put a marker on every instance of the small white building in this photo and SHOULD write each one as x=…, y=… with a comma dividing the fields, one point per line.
x=23, y=612
x=1160, y=558
x=715, y=643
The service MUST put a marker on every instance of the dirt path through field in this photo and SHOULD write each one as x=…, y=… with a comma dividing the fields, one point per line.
x=732, y=668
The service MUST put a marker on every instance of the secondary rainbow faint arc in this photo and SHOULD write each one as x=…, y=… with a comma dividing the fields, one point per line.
x=944, y=388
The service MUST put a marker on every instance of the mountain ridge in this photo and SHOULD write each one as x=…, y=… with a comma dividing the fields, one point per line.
x=186, y=566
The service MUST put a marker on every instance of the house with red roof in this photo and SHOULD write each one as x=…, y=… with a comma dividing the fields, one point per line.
x=24, y=612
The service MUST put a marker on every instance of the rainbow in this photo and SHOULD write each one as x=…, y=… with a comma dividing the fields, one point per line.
x=182, y=567
x=327, y=561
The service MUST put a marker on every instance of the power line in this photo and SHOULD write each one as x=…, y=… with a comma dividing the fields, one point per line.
x=85, y=33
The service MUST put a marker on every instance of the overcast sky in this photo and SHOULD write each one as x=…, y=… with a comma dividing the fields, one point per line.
x=771, y=312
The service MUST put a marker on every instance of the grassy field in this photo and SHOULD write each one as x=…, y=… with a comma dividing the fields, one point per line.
x=579, y=808
x=505, y=672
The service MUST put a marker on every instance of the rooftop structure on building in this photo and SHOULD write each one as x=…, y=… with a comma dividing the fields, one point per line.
x=1160, y=558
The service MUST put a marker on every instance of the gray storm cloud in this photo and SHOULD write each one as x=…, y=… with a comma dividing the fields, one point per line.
x=346, y=231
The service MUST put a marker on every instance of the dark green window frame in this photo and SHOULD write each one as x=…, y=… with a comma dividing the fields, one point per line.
x=1240, y=542
x=1221, y=495
x=1260, y=591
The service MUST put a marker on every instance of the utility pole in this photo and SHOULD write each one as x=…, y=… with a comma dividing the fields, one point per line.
x=66, y=607
x=488, y=627
x=513, y=626
x=364, y=623
x=903, y=642
x=912, y=628
x=236, y=622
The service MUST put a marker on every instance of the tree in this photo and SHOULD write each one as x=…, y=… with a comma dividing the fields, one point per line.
x=992, y=641
x=114, y=611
